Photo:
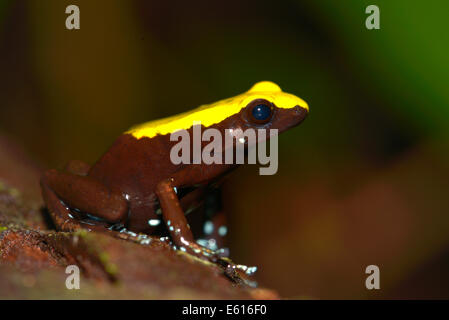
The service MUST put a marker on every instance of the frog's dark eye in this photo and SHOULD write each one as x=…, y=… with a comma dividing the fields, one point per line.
x=259, y=111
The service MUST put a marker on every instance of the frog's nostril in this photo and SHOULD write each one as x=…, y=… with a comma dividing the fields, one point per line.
x=300, y=110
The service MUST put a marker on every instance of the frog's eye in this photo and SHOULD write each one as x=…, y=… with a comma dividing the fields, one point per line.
x=259, y=111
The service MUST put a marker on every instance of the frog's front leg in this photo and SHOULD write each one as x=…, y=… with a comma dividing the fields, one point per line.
x=182, y=236
x=176, y=222
x=173, y=214
x=83, y=193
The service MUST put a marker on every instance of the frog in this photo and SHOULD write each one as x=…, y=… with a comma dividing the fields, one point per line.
x=134, y=185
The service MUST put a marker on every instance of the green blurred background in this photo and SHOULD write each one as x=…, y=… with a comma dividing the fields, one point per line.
x=364, y=180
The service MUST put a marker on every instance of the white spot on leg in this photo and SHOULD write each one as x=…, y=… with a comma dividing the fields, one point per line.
x=154, y=222
x=208, y=227
x=222, y=231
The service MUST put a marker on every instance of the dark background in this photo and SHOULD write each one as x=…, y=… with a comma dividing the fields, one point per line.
x=364, y=180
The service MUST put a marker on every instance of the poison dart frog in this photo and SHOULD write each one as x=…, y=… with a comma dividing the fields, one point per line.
x=135, y=186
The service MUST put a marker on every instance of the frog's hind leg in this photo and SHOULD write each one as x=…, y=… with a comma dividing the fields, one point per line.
x=78, y=167
x=60, y=214
x=72, y=188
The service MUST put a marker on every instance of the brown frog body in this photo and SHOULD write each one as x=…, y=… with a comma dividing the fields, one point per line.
x=136, y=185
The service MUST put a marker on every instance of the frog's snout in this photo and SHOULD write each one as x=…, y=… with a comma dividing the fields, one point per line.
x=300, y=112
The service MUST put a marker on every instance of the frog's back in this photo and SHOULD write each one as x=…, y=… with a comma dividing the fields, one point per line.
x=140, y=157
x=134, y=166
x=207, y=115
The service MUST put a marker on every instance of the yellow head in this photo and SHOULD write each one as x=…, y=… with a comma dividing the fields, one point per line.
x=216, y=112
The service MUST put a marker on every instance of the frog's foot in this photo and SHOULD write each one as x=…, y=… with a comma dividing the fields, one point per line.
x=238, y=273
